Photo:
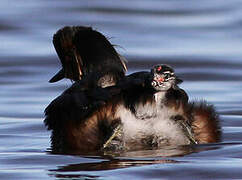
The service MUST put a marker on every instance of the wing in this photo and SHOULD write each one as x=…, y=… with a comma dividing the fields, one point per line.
x=71, y=119
x=82, y=103
x=85, y=120
x=82, y=51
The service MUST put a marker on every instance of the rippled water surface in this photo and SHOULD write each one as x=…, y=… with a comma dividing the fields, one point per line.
x=202, y=40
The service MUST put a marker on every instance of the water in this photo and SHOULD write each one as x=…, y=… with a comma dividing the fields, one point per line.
x=202, y=40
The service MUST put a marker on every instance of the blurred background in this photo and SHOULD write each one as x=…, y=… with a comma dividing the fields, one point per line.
x=156, y=28
x=201, y=39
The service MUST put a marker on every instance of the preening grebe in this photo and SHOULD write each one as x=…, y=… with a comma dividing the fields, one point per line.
x=85, y=52
x=141, y=110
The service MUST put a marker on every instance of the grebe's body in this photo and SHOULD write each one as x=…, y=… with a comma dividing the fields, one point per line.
x=146, y=113
x=109, y=111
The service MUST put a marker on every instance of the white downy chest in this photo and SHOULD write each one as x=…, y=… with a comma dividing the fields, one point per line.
x=152, y=124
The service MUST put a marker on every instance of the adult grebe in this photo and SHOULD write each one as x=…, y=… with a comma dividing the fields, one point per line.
x=142, y=110
x=85, y=52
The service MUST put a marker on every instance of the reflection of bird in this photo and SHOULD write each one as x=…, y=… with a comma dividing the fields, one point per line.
x=142, y=110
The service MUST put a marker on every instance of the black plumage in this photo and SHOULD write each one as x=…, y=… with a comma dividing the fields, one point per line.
x=85, y=52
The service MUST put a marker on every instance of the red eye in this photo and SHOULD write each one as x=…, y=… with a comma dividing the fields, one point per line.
x=159, y=68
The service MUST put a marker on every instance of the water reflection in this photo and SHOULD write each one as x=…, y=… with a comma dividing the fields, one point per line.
x=111, y=164
x=131, y=159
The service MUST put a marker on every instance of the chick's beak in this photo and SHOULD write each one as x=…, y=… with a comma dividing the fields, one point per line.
x=157, y=81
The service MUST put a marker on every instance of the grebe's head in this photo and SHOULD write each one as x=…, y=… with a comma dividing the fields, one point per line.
x=83, y=51
x=164, y=78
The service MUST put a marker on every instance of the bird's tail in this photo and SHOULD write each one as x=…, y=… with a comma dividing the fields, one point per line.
x=205, y=122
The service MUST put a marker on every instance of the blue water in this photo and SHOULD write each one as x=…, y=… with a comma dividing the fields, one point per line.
x=201, y=40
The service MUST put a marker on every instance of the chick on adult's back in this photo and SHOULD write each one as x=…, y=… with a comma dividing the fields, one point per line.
x=143, y=110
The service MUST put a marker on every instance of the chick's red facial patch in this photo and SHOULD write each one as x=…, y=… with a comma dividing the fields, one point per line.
x=159, y=68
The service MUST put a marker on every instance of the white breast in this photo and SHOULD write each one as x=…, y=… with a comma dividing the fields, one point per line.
x=159, y=126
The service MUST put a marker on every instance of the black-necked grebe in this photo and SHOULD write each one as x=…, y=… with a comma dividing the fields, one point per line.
x=85, y=52
x=141, y=110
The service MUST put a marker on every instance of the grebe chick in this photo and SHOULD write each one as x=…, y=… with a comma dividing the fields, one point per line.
x=143, y=110
x=85, y=52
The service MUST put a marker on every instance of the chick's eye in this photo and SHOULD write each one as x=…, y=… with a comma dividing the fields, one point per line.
x=167, y=75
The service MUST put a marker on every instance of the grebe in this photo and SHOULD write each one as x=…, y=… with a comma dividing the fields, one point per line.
x=138, y=111
x=85, y=52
